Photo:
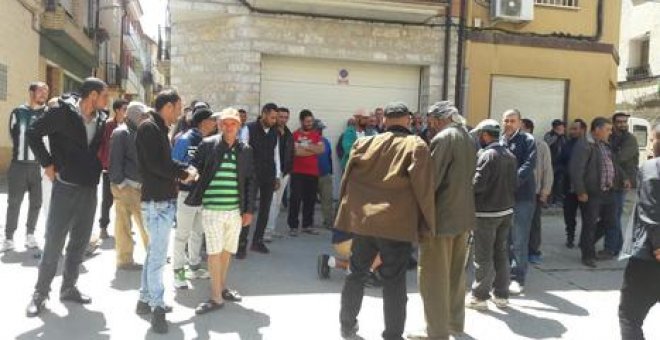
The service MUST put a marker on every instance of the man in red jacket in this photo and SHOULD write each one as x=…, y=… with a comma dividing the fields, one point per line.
x=119, y=112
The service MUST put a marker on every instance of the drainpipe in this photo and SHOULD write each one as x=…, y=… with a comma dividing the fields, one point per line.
x=447, y=56
x=458, y=98
x=124, y=17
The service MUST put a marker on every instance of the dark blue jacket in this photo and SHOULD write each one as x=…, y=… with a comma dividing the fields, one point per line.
x=184, y=150
x=19, y=121
x=523, y=146
x=325, y=159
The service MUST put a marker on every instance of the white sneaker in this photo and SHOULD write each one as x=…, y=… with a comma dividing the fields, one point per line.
x=31, y=242
x=7, y=245
x=515, y=288
x=501, y=303
x=476, y=304
x=197, y=274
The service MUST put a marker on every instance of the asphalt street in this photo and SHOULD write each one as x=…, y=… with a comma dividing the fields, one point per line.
x=284, y=299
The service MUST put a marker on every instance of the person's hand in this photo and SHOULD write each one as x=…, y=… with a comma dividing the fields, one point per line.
x=50, y=172
x=247, y=219
x=657, y=254
x=277, y=184
x=192, y=175
x=583, y=198
x=627, y=184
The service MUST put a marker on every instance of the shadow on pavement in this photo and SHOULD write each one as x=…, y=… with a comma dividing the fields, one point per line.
x=530, y=326
x=79, y=323
x=27, y=258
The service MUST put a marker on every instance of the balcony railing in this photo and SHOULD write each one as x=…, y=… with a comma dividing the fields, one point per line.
x=638, y=72
x=112, y=74
x=559, y=3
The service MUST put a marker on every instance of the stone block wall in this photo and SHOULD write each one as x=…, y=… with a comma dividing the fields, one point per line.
x=217, y=47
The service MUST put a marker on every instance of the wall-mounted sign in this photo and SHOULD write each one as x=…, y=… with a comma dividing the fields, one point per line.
x=342, y=77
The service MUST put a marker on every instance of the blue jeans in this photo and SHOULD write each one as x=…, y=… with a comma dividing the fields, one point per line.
x=614, y=235
x=158, y=218
x=522, y=224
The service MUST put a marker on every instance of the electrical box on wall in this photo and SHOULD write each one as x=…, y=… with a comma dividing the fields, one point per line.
x=512, y=10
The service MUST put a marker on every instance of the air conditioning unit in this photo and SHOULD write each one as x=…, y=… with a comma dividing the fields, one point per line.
x=512, y=10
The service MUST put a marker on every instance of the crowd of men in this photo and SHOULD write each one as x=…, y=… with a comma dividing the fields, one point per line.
x=440, y=184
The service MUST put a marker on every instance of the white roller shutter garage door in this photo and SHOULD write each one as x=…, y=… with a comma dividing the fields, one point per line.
x=541, y=100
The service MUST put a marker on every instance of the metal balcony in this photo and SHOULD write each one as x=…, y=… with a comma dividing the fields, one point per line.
x=638, y=72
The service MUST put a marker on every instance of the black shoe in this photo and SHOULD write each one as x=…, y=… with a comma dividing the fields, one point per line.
x=241, y=254
x=158, y=322
x=350, y=333
x=322, y=267
x=605, y=255
x=589, y=263
x=260, y=248
x=231, y=295
x=37, y=304
x=570, y=244
x=142, y=308
x=73, y=294
x=208, y=306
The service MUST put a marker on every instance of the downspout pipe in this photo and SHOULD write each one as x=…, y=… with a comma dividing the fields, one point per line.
x=447, y=51
x=460, y=62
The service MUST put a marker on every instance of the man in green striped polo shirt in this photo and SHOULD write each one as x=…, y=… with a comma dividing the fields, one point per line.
x=226, y=191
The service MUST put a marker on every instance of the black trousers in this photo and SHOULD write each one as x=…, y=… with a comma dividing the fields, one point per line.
x=535, y=230
x=558, y=185
x=22, y=177
x=303, y=192
x=106, y=201
x=639, y=293
x=71, y=215
x=598, y=214
x=395, y=255
x=570, y=214
x=265, y=190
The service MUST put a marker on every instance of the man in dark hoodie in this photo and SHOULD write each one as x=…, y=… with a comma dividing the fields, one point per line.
x=74, y=127
x=494, y=190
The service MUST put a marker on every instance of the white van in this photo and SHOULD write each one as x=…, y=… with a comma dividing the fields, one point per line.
x=641, y=129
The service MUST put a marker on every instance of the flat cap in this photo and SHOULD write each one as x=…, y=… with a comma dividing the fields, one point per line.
x=396, y=110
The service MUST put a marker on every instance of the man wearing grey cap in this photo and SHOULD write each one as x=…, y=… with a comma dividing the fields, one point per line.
x=494, y=189
x=442, y=257
x=386, y=202
x=125, y=184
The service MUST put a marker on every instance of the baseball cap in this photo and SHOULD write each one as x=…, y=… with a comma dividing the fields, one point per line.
x=396, y=110
x=228, y=113
x=201, y=115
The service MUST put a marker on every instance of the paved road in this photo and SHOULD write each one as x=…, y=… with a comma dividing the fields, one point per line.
x=285, y=300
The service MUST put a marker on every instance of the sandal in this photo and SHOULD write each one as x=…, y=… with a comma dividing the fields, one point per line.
x=208, y=306
x=231, y=295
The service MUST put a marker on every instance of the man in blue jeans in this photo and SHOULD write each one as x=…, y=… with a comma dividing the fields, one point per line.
x=626, y=156
x=159, y=192
x=523, y=146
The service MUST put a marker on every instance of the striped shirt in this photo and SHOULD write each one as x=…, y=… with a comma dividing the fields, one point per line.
x=222, y=193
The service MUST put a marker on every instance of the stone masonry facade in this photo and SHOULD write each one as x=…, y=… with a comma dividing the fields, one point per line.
x=217, y=48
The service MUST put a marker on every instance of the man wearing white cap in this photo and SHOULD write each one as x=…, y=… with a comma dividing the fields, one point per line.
x=226, y=191
x=125, y=184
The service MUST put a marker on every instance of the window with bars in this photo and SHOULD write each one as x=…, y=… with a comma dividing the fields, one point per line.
x=559, y=3
x=3, y=82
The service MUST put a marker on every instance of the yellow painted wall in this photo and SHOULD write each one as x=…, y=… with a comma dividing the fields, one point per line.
x=19, y=50
x=591, y=75
x=548, y=19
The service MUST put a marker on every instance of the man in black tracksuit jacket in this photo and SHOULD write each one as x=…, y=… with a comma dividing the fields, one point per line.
x=74, y=127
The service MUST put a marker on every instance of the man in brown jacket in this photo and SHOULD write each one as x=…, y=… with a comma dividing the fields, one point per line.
x=387, y=203
x=442, y=257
